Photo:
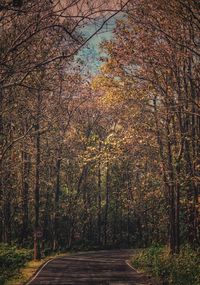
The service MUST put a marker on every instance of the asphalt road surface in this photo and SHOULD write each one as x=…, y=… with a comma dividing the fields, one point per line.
x=92, y=268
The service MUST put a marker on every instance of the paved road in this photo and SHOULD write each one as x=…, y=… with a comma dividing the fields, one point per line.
x=92, y=268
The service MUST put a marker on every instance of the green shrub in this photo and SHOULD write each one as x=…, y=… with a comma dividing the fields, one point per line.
x=179, y=269
x=11, y=260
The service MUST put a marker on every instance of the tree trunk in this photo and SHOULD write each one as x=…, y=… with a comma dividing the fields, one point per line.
x=37, y=253
x=57, y=199
x=99, y=203
x=25, y=195
x=106, y=205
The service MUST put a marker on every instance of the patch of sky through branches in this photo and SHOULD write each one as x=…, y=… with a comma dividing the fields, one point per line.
x=89, y=56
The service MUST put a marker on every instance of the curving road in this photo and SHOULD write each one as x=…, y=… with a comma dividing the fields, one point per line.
x=92, y=268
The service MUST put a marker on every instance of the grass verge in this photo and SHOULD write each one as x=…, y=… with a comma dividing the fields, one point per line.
x=26, y=272
x=178, y=269
x=30, y=269
x=17, y=266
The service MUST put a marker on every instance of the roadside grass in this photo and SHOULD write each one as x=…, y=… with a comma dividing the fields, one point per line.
x=26, y=272
x=178, y=269
x=30, y=269
x=11, y=259
x=17, y=265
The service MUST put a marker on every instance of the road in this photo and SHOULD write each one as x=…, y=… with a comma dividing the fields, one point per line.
x=92, y=268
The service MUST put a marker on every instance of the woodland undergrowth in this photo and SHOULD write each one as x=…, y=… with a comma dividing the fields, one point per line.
x=172, y=269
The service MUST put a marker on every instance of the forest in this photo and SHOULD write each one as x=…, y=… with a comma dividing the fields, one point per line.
x=108, y=159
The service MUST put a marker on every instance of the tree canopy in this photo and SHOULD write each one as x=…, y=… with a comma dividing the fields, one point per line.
x=108, y=159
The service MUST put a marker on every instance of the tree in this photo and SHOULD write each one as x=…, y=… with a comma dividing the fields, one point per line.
x=151, y=52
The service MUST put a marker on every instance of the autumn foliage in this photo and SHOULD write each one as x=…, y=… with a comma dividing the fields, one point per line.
x=107, y=161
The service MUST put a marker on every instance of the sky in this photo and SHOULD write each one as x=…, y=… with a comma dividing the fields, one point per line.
x=90, y=54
